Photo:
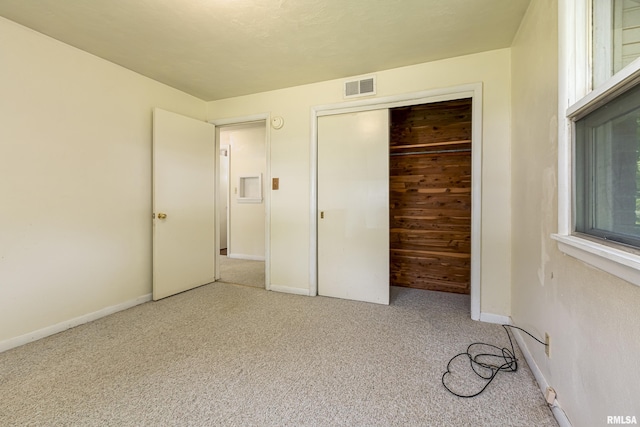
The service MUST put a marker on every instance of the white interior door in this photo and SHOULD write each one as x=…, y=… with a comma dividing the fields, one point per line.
x=353, y=206
x=183, y=203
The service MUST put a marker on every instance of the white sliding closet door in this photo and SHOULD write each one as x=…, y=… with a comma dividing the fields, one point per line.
x=353, y=206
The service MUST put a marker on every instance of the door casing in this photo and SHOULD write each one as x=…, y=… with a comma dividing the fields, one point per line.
x=473, y=91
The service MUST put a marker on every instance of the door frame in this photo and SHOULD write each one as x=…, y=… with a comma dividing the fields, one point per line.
x=473, y=91
x=266, y=118
x=226, y=214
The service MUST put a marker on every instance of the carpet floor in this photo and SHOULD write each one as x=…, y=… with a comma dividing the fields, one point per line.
x=227, y=355
x=242, y=272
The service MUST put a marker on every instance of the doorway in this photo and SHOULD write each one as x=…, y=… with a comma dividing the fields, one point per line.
x=471, y=91
x=241, y=215
x=430, y=196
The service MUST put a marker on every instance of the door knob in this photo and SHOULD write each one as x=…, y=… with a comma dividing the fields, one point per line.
x=162, y=215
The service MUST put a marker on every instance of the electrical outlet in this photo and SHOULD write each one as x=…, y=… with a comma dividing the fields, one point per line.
x=547, y=344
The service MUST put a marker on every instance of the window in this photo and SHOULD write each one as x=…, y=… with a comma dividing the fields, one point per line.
x=606, y=202
x=616, y=36
x=599, y=135
x=607, y=162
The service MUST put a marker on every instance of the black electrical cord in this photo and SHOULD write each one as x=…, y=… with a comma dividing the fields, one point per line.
x=482, y=365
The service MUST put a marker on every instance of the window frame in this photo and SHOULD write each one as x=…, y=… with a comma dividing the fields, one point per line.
x=594, y=132
x=576, y=99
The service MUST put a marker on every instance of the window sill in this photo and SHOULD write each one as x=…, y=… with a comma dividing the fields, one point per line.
x=617, y=262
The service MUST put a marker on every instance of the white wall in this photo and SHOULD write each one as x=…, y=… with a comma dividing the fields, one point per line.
x=290, y=161
x=75, y=159
x=592, y=317
x=247, y=157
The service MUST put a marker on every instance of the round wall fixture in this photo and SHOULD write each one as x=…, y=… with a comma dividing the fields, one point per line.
x=277, y=122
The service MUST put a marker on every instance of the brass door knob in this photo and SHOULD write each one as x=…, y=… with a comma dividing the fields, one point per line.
x=162, y=215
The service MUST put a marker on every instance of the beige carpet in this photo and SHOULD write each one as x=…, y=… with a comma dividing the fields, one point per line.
x=227, y=355
x=242, y=272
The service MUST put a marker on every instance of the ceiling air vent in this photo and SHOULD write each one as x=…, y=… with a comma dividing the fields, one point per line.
x=361, y=87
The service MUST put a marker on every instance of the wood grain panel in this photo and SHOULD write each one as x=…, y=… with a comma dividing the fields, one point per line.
x=430, y=196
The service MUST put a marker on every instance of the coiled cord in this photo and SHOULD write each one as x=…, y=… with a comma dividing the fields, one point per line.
x=488, y=365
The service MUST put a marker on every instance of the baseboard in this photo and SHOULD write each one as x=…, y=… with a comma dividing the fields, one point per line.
x=289, y=290
x=247, y=257
x=495, y=318
x=68, y=324
x=556, y=409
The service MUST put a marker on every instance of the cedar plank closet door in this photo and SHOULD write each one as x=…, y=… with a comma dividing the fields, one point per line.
x=430, y=196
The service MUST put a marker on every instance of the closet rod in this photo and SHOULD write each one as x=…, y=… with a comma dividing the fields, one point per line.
x=407, y=153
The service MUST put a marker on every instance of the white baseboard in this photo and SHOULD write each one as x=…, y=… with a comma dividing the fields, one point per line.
x=558, y=413
x=68, y=324
x=247, y=257
x=495, y=318
x=289, y=290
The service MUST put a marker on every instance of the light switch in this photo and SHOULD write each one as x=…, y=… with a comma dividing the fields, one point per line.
x=275, y=184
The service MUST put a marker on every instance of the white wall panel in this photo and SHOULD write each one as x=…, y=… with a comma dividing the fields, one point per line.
x=591, y=316
x=75, y=156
